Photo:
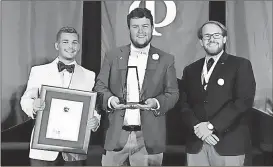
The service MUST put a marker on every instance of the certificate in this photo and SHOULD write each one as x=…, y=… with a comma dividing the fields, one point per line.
x=62, y=125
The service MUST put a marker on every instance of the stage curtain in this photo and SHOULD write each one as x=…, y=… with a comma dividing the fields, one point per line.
x=29, y=31
x=178, y=38
x=249, y=25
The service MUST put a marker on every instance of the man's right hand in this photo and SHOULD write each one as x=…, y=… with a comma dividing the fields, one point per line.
x=38, y=105
x=212, y=139
x=115, y=103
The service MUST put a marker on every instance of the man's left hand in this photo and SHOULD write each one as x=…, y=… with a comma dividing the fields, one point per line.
x=149, y=104
x=93, y=123
x=201, y=130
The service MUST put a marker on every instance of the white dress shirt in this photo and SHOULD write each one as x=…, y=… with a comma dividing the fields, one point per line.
x=205, y=73
x=66, y=76
x=138, y=57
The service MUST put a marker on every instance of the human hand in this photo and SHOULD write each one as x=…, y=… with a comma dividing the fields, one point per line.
x=201, y=130
x=115, y=103
x=93, y=123
x=150, y=104
x=212, y=139
x=38, y=105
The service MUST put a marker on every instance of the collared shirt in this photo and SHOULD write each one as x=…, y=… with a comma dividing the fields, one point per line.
x=205, y=73
x=65, y=75
x=138, y=57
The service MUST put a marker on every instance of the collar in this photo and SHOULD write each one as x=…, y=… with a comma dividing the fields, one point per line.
x=215, y=57
x=144, y=50
x=57, y=60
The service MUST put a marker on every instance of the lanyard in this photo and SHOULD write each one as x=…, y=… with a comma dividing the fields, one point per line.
x=205, y=73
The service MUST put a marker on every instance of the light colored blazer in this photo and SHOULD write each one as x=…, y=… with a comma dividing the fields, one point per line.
x=48, y=74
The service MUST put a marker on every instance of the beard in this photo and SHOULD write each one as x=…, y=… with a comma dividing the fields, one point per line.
x=213, y=52
x=138, y=45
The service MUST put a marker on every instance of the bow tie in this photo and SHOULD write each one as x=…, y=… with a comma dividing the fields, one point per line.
x=62, y=66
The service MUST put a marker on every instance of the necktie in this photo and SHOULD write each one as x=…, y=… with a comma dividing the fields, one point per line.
x=62, y=66
x=210, y=63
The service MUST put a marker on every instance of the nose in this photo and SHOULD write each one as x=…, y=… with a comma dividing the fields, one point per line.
x=140, y=30
x=70, y=45
x=211, y=39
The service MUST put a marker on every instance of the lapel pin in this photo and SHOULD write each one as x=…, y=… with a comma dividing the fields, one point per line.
x=155, y=56
x=221, y=81
x=120, y=58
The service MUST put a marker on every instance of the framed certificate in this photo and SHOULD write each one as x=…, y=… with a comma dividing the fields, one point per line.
x=62, y=125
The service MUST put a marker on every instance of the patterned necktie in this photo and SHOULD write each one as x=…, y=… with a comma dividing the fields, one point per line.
x=210, y=63
x=62, y=66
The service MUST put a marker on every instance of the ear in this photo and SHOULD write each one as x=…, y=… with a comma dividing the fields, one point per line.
x=79, y=47
x=56, y=45
x=225, y=39
x=201, y=42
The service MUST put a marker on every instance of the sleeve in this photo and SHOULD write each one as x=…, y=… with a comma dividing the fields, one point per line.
x=244, y=92
x=170, y=95
x=31, y=93
x=188, y=115
x=102, y=83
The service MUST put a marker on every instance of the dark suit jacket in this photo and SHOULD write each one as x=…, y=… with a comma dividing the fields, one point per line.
x=160, y=82
x=224, y=106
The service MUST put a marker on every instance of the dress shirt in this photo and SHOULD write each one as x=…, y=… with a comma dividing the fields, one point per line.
x=205, y=73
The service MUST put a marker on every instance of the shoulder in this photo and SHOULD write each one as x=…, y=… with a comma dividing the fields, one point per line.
x=166, y=57
x=237, y=61
x=237, y=58
x=87, y=73
x=40, y=68
x=195, y=64
x=114, y=52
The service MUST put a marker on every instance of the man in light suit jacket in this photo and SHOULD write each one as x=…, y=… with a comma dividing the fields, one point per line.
x=217, y=92
x=139, y=134
x=62, y=72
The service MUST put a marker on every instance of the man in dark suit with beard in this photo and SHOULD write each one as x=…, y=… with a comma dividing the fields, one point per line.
x=217, y=91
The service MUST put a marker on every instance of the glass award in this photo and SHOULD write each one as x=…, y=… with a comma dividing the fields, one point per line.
x=131, y=95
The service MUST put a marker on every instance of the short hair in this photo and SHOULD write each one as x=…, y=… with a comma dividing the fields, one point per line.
x=220, y=25
x=66, y=30
x=140, y=13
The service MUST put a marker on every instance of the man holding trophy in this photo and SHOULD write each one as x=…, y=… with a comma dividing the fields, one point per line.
x=136, y=86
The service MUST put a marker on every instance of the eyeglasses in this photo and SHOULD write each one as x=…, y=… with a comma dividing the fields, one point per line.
x=215, y=36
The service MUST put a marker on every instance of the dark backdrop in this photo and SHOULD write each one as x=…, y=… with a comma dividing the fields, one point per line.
x=91, y=59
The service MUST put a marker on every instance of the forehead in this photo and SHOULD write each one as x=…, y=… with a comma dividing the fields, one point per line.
x=139, y=21
x=211, y=28
x=68, y=36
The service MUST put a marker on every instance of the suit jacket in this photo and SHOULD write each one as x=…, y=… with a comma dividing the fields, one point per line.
x=159, y=82
x=224, y=105
x=48, y=74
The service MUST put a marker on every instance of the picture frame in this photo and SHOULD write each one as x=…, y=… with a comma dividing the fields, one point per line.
x=62, y=125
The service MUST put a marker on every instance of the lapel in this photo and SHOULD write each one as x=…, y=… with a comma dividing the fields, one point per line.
x=150, y=70
x=122, y=59
x=53, y=78
x=218, y=67
x=198, y=73
x=77, y=78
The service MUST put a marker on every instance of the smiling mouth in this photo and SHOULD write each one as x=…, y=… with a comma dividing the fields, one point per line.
x=72, y=51
x=141, y=36
x=212, y=44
